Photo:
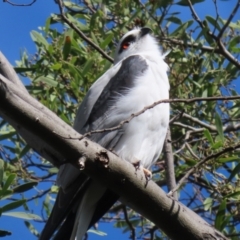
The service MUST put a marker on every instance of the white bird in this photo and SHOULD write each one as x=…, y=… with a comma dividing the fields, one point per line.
x=137, y=79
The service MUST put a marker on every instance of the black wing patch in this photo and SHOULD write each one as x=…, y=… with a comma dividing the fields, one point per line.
x=132, y=67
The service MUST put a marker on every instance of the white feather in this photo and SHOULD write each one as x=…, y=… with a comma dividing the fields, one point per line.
x=143, y=136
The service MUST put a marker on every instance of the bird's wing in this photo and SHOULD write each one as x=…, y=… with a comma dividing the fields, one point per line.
x=92, y=114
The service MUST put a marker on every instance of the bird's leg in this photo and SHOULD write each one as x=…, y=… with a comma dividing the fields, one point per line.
x=148, y=175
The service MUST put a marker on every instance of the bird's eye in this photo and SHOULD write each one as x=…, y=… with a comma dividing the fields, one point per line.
x=127, y=42
x=126, y=45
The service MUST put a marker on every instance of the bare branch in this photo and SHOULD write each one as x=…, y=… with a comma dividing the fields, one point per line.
x=191, y=151
x=131, y=227
x=194, y=14
x=80, y=33
x=222, y=50
x=190, y=100
x=190, y=45
x=169, y=162
x=216, y=9
x=228, y=55
x=229, y=20
x=20, y=5
x=191, y=170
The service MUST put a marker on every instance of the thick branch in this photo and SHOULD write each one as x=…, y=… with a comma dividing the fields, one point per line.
x=27, y=115
x=7, y=71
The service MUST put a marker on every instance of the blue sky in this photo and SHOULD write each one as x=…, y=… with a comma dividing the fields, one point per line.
x=15, y=26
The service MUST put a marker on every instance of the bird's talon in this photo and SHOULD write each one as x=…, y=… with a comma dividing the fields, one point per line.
x=148, y=175
x=136, y=165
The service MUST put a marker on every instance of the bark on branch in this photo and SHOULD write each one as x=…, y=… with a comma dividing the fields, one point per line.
x=42, y=129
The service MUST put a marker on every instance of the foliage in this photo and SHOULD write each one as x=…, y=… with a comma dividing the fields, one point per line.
x=203, y=63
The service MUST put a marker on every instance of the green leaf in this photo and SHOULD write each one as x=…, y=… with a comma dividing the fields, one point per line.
x=234, y=41
x=228, y=159
x=54, y=189
x=13, y=205
x=66, y=47
x=4, y=233
x=24, y=151
x=182, y=29
x=208, y=203
x=6, y=135
x=219, y=126
x=220, y=215
x=53, y=170
x=47, y=25
x=213, y=22
x=235, y=171
x=24, y=187
x=39, y=39
x=208, y=136
x=174, y=20
x=79, y=24
x=32, y=229
x=106, y=41
x=49, y=80
x=1, y=170
x=56, y=66
x=87, y=66
x=23, y=215
x=217, y=145
x=9, y=181
x=97, y=232
x=5, y=193
x=234, y=195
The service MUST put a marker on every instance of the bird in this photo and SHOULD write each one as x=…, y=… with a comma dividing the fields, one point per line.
x=137, y=79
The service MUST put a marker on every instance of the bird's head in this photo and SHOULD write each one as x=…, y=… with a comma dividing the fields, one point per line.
x=136, y=41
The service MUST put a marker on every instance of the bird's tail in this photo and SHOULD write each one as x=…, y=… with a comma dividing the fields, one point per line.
x=86, y=210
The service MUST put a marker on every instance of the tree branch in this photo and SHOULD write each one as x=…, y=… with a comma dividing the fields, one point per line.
x=229, y=20
x=169, y=163
x=222, y=50
x=177, y=100
x=28, y=115
x=80, y=33
x=7, y=71
x=20, y=5
x=191, y=170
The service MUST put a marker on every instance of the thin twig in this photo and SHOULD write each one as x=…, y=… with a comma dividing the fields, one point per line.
x=228, y=55
x=175, y=118
x=217, y=17
x=191, y=170
x=194, y=14
x=177, y=100
x=129, y=223
x=191, y=151
x=229, y=19
x=80, y=33
x=20, y=5
x=190, y=45
x=169, y=162
x=222, y=49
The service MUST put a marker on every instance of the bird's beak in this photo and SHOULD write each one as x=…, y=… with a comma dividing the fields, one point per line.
x=144, y=31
